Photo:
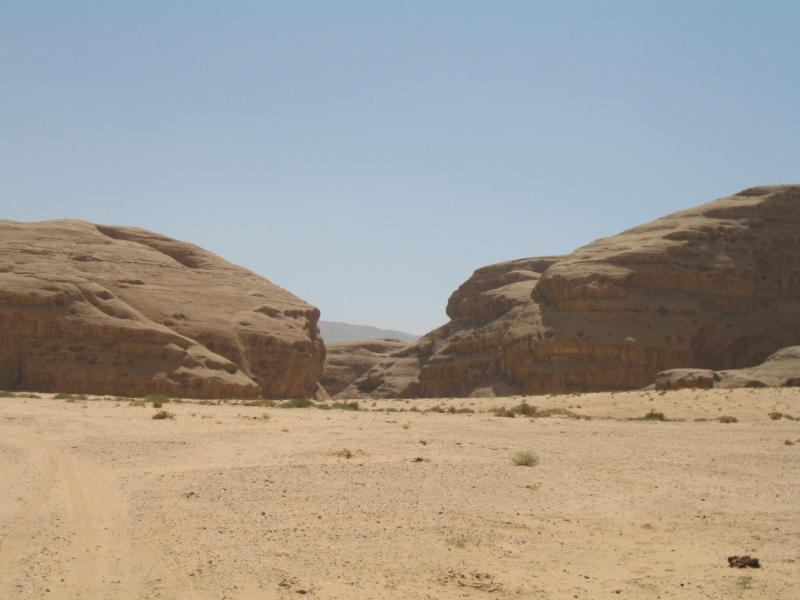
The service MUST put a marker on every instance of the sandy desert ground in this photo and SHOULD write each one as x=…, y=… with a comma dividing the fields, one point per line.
x=98, y=500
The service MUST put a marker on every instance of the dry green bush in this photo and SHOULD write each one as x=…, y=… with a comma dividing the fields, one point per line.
x=525, y=458
x=156, y=398
x=526, y=410
x=503, y=412
x=549, y=412
x=728, y=419
x=163, y=414
x=345, y=405
x=654, y=416
x=63, y=396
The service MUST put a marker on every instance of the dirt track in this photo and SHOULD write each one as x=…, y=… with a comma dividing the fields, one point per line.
x=97, y=500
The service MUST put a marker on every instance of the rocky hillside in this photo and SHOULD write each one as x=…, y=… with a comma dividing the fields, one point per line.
x=714, y=287
x=347, y=361
x=782, y=369
x=117, y=310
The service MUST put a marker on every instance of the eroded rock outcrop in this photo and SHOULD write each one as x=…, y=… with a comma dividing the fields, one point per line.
x=714, y=287
x=118, y=310
x=782, y=369
x=347, y=361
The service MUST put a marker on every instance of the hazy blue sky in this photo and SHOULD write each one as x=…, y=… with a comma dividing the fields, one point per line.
x=368, y=156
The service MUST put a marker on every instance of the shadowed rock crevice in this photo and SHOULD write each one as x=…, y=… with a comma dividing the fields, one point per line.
x=347, y=361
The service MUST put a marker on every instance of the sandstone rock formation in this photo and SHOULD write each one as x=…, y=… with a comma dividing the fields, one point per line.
x=714, y=287
x=118, y=310
x=347, y=361
x=782, y=369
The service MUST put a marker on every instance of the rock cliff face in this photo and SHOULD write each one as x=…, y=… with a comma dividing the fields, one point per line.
x=117, y=310
x=782, y=369
x=714, y=287
x=347, y=361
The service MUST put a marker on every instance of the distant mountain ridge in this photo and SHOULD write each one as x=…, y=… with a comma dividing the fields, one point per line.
x=344, y=332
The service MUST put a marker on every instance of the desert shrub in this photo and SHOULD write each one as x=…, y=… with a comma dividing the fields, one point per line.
x=131, y=403
x=406, y=425
x=503, y=412
x=435, y=409
x=296, y=403
x=265, y=416
x=7, y=395
x=789, y=443
x=157, y=404
x=156, y=398
x=526, y=410
x=458, y=411
x=163, y=414
x=774, y=415
x=323, y=406
x=63, y=396
x=344, y=453
x=727, y=419
x=267, y=403
x=346, y=405
x=700, y=420
x=525, y=458
x=654, y=416
x=413, y=409
x=560, y=411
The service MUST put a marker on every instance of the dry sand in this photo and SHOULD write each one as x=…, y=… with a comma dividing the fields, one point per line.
x=97, y=500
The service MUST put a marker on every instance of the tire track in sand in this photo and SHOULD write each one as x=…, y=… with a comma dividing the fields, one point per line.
x=16, y=527
x=101, y=540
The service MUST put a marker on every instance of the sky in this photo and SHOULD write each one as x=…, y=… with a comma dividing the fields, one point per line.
x=368, y=156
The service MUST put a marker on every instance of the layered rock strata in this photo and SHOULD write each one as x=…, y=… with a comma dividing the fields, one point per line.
x=713, y=287
x=88, y=308
x=347, y=361
x=782, y=369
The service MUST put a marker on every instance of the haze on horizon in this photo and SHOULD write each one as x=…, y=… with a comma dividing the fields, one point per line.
x=369, y=157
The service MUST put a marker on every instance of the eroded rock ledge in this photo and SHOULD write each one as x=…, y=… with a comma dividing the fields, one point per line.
x=714, y=287
x=87, y=308
x=782, y=369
